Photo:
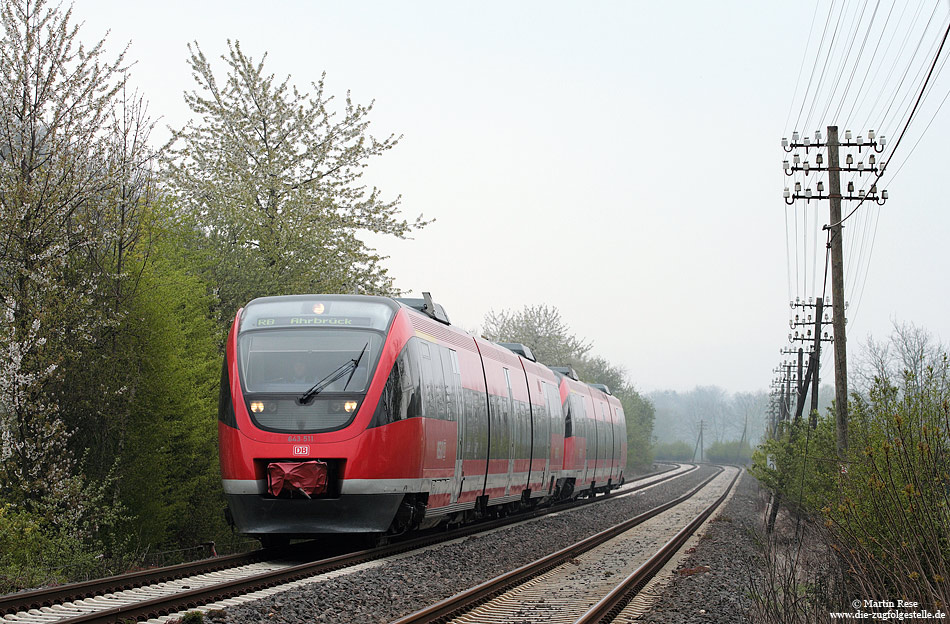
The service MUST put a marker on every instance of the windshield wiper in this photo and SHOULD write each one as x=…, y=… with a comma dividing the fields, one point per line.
x=348, y=367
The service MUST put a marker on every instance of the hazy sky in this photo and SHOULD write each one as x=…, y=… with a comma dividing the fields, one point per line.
x=618, y=160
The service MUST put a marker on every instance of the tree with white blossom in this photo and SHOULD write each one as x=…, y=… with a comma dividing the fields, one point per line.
x=56, y=98
x=269, y=178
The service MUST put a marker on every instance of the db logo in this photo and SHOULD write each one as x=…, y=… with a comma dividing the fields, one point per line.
x=301, y=450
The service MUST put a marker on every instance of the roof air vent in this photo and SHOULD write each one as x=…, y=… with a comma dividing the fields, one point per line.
x=567, y=371
x=520, y=349
x=426, y=306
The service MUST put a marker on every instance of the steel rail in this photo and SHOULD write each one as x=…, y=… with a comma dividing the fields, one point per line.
x=24, y=601
x=466, y=601
x=47, y=596
x=614, y=602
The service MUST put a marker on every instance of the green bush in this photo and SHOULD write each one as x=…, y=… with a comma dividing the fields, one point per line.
x=33, y=552
x=892, y=515
x=673, y=451
x=734, y=452
x=887, y=504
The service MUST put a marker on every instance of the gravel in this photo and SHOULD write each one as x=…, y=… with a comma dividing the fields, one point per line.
x=400, y=587
x=711, y=585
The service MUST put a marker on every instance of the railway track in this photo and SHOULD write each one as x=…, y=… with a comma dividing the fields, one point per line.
x=579, y=584
x=170, y=590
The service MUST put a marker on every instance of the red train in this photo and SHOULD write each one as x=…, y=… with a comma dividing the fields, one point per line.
x=356, y=414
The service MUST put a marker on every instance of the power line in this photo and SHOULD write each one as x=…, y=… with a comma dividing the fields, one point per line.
x=871, y=61
x=824, y=32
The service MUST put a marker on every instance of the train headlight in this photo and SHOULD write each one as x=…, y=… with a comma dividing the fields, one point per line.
x=257, y=406
x=349, y=406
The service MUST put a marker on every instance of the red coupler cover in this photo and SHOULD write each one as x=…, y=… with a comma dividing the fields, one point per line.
x=309, y=477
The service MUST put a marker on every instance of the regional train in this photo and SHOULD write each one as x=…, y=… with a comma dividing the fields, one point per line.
x=361, y=414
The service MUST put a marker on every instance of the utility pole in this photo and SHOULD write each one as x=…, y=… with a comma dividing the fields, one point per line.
x=800, y=382
x=837, y=293
x=835, y=242
x=701, y=441
x=816, y=354
x=803, y=317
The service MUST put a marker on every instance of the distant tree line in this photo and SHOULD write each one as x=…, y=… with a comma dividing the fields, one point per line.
x=725, y=417
x=121, y=266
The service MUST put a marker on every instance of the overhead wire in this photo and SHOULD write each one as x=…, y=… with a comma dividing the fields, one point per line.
x=859, y=104
x=923, y=91
x=857, y=59
x=846, y=54
x=870, y=64
x=910, y=118
x=893, y=66
x=824, y=33
x=824, y=69
x=924, y=131
x=919, y=79
x=910, y=63
x=891, y=178
x=801, y=69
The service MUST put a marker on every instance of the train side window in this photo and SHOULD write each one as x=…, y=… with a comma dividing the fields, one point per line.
x=401, y=396
x=580, y=415
x=435, y=380
x=568, y=418
x=452, y=383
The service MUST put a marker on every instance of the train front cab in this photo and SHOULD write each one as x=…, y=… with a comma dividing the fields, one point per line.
x=371, y=451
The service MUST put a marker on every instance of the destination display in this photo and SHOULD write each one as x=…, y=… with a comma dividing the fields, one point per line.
x=298, y=321
x=300, y=312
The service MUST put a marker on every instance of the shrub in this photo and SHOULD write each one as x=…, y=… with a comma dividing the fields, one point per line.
x=673, y=451
x=734, y=452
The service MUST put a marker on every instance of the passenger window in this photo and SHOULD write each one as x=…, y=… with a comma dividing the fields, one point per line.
x=568, y=413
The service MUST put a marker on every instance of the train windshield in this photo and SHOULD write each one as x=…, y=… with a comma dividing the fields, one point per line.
x=289, y=344
x=293, y=360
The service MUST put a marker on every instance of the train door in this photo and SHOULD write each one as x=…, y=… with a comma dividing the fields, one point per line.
x=540, y=465
x=582, y=438
x=440, y=412
x=621, y=440
x=608, y=443
x=555, y=418
x=453, y=402
x=511, y=417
